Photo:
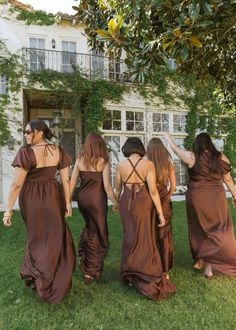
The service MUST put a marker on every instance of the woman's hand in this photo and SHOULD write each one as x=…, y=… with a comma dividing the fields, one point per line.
x=115, y=207
x=68, y=212
x=162, y=220
x=234, y=201
x=7, y=219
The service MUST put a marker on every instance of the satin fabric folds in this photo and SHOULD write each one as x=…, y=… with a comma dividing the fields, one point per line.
x=92, y=203
x=141, y=264
x=164, y=234
x=49, y=255
x=211, y=232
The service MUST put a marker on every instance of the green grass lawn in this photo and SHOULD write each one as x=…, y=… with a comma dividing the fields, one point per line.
x=108, y=304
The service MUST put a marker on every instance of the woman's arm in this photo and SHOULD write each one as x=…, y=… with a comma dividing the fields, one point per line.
x=74, y=177
x=227, y=178
x=151, y=182
x=186, y=156
x=107, y=185
x=172, y=179
x=118, y=182
x=64, y=174
x=18, y=181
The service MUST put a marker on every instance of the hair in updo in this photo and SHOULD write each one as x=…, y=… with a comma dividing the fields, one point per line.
x=40, y=125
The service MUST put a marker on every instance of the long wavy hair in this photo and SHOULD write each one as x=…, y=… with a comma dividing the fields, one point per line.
x=160, y=156
x=94, y=148
x=201, y=145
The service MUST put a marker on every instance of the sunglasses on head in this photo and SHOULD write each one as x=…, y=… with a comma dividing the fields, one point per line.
x=27, y=131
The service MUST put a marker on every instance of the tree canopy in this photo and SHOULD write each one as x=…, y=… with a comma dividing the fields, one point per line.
x=200, y=35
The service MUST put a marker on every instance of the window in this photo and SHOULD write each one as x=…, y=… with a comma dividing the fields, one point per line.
x=181, y=173
x=112, y=120
x=179, y=123
x=219, y=144
x=160, y=122
x=180, y=143
x=97, y=62
x=37, y=56
x=3, y=85
x=134, y=121
x=114, y=147
x=114, y=66
x=171, y=64
x=68, y=56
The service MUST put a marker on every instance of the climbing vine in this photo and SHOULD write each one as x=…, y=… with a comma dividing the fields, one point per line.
x=34, y=17
x=88, y=97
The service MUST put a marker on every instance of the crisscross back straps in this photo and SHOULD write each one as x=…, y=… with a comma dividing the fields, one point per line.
x=134, y=170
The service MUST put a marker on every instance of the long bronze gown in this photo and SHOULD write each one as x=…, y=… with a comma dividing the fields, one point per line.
x=92, y=203
x=211, y=232
x=141, y=264
x=49, y=256
x=164, y=234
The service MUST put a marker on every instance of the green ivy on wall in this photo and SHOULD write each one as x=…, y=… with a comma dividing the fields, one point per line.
x=34, y=17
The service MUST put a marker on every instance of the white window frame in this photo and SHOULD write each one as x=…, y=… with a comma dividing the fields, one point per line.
x=181, y=121
x=134, y=121
x=113, y=120
x=69, y=56
x=161, y=122
x=37, y=56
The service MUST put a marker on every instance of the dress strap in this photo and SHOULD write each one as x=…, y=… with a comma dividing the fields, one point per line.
x=134, y=170
x=47, y=148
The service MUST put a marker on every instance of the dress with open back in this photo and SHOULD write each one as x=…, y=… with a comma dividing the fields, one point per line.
x=141, y=264
x=49, y=256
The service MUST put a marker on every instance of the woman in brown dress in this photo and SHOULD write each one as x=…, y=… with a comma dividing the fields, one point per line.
x=49, y=257
x=211, y=232
x=141, y=264
x=93, y=169
x=165, y=174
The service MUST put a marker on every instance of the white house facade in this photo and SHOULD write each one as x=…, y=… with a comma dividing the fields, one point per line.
x=63, y=47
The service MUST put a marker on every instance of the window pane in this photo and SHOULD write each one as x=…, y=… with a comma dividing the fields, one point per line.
x=116, y=125
x=139, y=116
x=41, y=43
x=129, y=115
x=130, y=125
x=156, y=127
x=107, y=124
x=33, y=43
x=138, y=126
x=176, y=119
x=116, y=114
x=157, y=117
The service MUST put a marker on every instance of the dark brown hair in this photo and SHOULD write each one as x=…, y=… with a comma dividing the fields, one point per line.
x=94, y=147
x=201, y=144
x=40, y=125
x=160, y=156
x=133, y=145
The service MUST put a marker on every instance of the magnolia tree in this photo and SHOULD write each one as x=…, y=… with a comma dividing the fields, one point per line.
x=199, y=35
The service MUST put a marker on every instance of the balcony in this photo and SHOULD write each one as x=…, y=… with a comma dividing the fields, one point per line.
x=87, y=65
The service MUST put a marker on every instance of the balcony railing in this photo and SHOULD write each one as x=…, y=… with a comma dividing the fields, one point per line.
x=87, y=65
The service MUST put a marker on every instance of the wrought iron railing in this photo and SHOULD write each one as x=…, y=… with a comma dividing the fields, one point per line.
x=88, y=65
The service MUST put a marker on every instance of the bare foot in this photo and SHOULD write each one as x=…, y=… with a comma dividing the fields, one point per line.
x=208, y=272
x=198, y=264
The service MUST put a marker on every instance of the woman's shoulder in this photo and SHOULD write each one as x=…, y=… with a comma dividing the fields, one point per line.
x=224, y=158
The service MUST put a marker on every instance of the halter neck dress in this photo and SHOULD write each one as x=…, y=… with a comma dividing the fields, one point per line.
x=49, y=255
x=141, y=264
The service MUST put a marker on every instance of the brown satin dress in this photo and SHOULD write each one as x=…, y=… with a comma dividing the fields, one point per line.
x=164, y=235
x=49, y=256
x=211, y=232
x=92, y=203
x=141, y=263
